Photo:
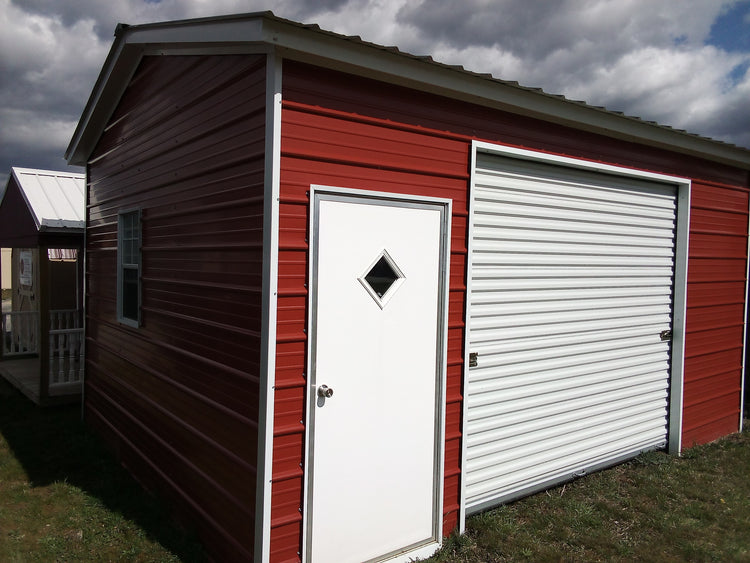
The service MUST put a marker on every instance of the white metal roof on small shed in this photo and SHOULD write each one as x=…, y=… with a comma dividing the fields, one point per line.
x=55, y=199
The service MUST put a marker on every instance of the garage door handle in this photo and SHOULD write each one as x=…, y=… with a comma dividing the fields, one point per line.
x=325, y=392
x=665, y=335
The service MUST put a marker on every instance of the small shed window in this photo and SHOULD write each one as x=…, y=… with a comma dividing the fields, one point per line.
x=129, y=267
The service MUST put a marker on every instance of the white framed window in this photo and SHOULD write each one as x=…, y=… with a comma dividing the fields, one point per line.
x=129, y=267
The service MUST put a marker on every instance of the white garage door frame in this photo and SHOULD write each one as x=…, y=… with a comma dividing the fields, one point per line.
x=683, y=189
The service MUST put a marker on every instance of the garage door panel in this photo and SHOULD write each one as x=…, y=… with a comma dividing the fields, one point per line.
x=544, y=304
x=488, y=429
x=509, y=445
x=566, y=182
x=498, y=257
x=534, y=464
x=571, y=286
x=575, y=365
x=591, y=216
x=523, y=293
x=602, y=240
x=552, y=328
x=489, y=281
x=604, y=339
x=543, y=396
x=489, y=220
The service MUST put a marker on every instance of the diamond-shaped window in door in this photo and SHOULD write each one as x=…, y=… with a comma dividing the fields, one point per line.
x=382, y=278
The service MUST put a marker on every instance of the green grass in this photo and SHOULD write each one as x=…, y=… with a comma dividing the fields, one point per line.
x=64, y=498
x=654, y=508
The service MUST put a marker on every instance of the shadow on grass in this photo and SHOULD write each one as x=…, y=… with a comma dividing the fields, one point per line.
x=54, y=445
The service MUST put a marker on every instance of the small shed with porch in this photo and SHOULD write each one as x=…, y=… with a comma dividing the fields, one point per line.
x=41, y=231
x=340, y=296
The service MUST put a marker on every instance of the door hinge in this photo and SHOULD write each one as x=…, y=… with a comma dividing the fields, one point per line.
x=473, y=359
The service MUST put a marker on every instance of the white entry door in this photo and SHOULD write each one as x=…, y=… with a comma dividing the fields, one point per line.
x=377, y=371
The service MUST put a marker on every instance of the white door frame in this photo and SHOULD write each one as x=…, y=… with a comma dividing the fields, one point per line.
x=318, y=193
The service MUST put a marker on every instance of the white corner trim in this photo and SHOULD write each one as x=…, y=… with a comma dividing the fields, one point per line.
x=269, y=308
x=743, y=382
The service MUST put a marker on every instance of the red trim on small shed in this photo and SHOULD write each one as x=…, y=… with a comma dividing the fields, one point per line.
x=17, y=225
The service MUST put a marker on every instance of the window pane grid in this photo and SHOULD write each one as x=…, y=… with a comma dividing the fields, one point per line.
x=129, y=267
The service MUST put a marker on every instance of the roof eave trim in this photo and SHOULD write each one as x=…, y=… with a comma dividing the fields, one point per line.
x=114, y=77
x=310, y=44
x=381, y=63
x=61, y=224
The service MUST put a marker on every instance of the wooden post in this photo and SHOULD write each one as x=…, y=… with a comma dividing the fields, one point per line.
x=43, y=295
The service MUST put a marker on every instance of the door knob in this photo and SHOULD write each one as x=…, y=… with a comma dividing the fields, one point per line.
x=325, y=392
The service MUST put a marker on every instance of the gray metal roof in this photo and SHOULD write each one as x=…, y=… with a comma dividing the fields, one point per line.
x=265, y=32
x=55, y=199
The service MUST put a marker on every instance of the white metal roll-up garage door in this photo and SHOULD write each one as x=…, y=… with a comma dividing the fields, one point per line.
x=571, y=286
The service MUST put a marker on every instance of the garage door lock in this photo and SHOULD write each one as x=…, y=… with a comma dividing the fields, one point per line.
x=665, y=335
x=473, y=359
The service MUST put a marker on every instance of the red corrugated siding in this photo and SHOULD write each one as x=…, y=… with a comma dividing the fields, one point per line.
x=178, y=397
x=335, y=149
x=348, y=131
x=716, y=312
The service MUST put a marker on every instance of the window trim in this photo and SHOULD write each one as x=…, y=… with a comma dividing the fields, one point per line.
x=121, y=267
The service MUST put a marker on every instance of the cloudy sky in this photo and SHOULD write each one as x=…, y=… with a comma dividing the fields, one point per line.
x=683, y=63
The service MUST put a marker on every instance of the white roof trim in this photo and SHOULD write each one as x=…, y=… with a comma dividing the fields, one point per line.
x=260, y=32
x=55, y=199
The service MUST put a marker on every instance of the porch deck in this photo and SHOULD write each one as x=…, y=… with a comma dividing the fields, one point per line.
x=23, y=370
x=23, y=374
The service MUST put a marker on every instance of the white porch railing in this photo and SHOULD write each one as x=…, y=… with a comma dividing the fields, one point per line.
x=65, y=349
x=20, y=333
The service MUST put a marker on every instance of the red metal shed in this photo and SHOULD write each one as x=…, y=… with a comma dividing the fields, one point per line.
x=339, y=296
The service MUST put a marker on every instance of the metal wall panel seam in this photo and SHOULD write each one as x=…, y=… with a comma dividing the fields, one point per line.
x=465, y=369
x=445, y=283
x=269, y=306
x=84, y=286
x=743, y=371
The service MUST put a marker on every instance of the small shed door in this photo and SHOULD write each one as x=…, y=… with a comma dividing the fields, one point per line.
x=376, y=384
x=571, y=306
